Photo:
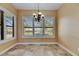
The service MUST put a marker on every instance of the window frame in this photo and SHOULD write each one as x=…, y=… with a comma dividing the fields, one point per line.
x=9, y=26
x=2, y=25
x=13, y=27
x=7, y=13
x=37, y=27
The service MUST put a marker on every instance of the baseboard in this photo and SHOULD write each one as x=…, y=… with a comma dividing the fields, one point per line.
x=67, y=50
x=37, y=43
x=7, y=49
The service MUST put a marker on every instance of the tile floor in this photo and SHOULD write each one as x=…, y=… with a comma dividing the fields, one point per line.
x=36, y=50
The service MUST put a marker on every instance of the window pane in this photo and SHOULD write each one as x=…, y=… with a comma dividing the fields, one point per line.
x=49, y=32
x=9, y=32
x=9, y=26
x=49, y=21
x=28, y=31
x=9, y=21
x=44, y=28
x=28, y=21
x=38, y=32
x=38, y=24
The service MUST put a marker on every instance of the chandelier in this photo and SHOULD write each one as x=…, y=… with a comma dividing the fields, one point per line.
x=38, y=16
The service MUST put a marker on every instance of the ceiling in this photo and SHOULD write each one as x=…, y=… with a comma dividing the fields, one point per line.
x=34, y=6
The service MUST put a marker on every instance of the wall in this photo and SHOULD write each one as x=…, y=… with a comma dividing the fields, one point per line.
x=68, y=26
x=30, y=12
x=10, y=8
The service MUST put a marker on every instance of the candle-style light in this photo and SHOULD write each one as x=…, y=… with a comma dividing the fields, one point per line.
x=39, y=16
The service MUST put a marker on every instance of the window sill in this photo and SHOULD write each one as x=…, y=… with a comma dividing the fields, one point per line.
x=36, y=37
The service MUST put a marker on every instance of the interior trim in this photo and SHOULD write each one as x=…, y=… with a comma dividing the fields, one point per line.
x=7, y=49
x=38, y=43
x=67, y=49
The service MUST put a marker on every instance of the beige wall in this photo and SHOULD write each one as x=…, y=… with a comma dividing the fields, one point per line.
x=6, y=45
x=68, y=24
x=30, y=12
x=10, y=8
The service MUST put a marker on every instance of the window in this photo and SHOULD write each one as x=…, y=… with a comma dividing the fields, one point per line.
x=28, y=26
x=9, y=24
x=44, y=28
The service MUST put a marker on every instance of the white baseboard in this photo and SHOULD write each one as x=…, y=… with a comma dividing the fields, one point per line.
x=67, y=49
x=38, y=43
x=7, y=49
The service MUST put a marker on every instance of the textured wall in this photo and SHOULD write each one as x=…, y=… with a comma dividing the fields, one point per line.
x=68, y=16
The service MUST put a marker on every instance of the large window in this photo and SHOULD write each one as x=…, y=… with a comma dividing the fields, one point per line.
x=44, y=28
x=9, y=24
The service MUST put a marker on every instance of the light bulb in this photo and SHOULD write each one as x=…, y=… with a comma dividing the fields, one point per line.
x=39, y=13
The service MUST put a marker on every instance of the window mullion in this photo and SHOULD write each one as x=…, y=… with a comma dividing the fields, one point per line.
x=13, y=26
x=2, y=24
x=33, y=27
x=43, y=26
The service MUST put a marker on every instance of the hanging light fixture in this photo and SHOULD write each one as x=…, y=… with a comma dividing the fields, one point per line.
x=39, y=16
